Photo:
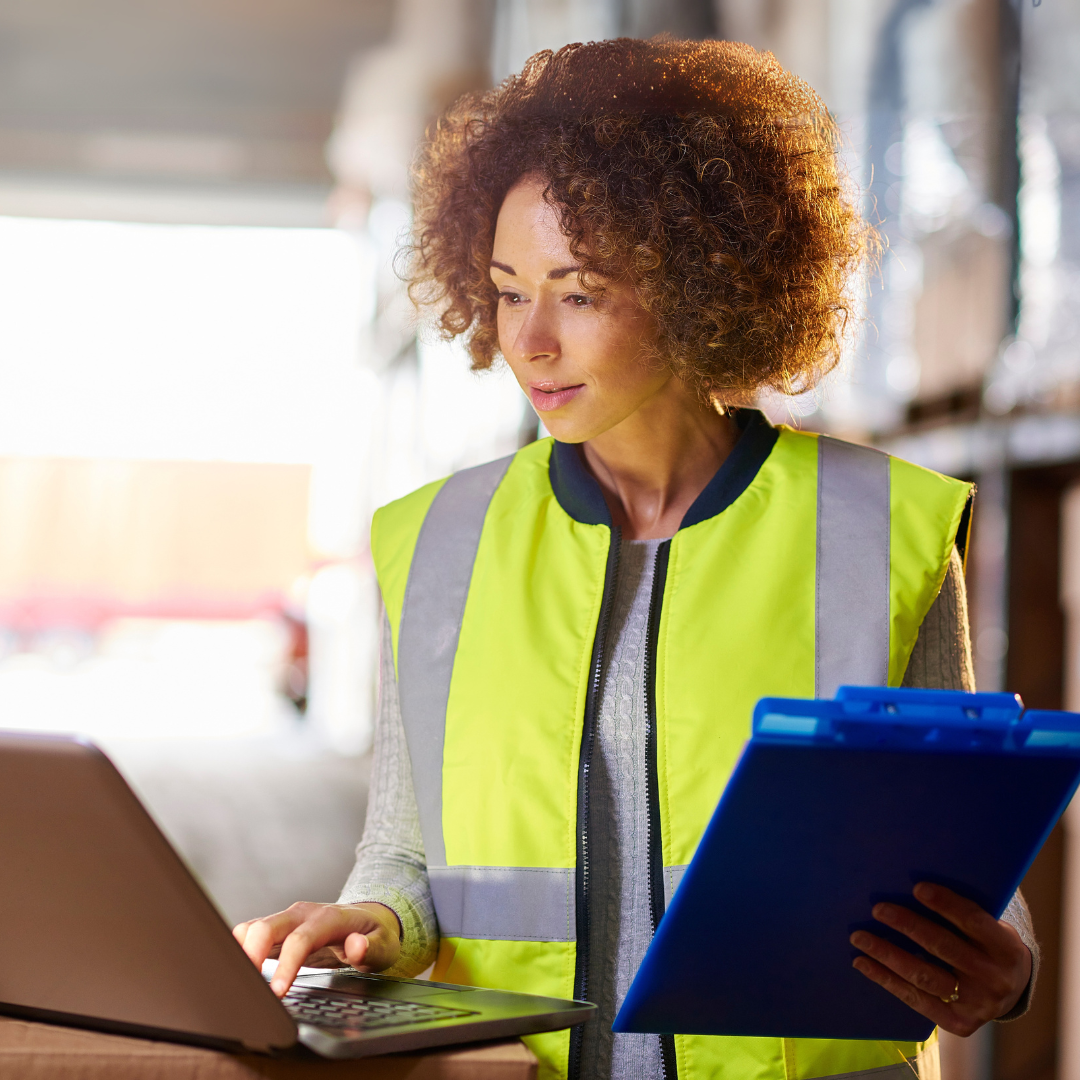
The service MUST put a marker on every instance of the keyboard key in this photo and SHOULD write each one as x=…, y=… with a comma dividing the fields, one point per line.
x=363, y=1014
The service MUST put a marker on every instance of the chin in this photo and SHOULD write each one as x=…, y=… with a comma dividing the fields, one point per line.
x=563, y=431
x=578, y=429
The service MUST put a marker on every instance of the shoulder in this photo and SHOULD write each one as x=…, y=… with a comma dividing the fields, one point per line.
x=906, y=476
x=403, y=517
x=394, y=532
x=397, y=525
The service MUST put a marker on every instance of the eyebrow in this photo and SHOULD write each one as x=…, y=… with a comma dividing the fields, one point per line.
x=553, y=275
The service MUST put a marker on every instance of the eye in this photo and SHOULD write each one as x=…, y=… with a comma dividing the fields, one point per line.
x=580, y=300
x=511, y=298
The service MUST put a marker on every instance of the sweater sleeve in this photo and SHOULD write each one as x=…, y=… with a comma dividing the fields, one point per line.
x=390, y=865
x=941, y=660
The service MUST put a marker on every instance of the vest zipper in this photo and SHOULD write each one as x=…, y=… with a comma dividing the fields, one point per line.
x=656, y=840
x=588, y=742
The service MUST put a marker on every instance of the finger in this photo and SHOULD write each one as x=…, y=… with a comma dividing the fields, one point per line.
x=295, y=949
x=971, y=920
x=381, y=951
x=240, y=932
x=356, y=949
x=924, y=1004
x=321, y=926
x=329, y=956
x=937, y=940
x=911, y=996
x=929, y=978
x=262, y=936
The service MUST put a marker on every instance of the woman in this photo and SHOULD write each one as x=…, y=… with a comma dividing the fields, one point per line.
x=649, y=234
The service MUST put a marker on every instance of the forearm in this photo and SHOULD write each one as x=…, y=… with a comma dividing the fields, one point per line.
x=1019, y=918
x=941, y=660
x=390, y=865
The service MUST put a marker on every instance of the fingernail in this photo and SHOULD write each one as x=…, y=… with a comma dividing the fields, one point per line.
x=860, y=939
x=925, y=891
x=278, y=987
x=882, y=911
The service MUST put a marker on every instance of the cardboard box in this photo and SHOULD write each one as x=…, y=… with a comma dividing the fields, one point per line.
x=32, y=1051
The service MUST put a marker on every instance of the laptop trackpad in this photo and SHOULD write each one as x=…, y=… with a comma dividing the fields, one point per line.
x=385, y=986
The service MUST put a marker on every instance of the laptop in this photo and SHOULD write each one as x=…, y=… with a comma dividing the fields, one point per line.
x=103, y=926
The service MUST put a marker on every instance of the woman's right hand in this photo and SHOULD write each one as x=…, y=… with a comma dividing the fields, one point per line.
x=365, y=936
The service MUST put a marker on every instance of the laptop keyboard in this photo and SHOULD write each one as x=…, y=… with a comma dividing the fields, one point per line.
x=361, y=1013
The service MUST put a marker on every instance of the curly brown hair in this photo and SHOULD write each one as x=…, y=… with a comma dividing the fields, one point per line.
x=703, y=172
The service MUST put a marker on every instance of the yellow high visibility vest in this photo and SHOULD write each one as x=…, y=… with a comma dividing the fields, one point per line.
x=806, y=563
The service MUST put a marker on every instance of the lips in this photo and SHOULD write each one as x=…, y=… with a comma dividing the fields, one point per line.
x=547, y=397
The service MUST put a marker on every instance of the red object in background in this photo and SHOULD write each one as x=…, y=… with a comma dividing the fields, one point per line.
x=294, y=680
x=34, y=613
x=89, y=541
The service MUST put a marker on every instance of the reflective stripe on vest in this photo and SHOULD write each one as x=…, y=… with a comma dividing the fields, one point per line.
x=905, y=1071
x=507, y=903
x=851, y=647
x=908, y=1070
x=673, y=875
x=431, y=616
x=851, y=612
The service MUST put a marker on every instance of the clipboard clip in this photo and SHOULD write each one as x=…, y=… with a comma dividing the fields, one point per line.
x=895, y=719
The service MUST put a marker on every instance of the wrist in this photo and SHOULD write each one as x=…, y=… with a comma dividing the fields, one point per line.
x=383, y=914
x=1023, y=1001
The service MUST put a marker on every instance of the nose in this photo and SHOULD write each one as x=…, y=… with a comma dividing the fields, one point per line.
x=536, y=337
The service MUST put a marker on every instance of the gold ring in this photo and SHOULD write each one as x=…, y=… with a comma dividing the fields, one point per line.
x=954, y=996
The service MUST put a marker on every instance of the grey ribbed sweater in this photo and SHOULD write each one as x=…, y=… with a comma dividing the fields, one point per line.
x=390, y=867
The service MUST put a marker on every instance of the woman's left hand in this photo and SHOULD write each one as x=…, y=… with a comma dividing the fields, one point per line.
x=992, y=965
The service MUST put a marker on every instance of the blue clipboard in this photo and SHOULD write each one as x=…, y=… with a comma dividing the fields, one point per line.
x=833, y=806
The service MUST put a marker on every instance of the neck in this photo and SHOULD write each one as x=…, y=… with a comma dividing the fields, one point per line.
x=654, y=464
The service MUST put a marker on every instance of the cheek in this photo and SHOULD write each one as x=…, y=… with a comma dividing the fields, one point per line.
x=504, y=327
x=627, y=386
x=500, y=326
x=618, y=361
x=508, y=322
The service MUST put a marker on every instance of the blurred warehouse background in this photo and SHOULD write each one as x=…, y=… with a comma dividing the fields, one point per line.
x=210, y=376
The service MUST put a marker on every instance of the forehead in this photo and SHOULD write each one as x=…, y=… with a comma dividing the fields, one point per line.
x=528, y=229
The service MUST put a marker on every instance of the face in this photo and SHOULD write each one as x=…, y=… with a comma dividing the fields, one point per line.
x=577, y=356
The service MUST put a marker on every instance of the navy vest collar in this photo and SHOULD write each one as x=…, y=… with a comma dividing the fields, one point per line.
x=580, y=496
